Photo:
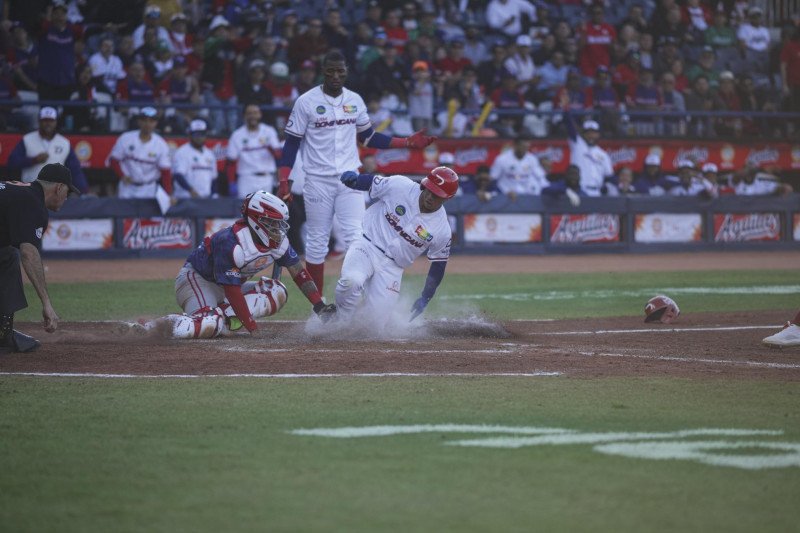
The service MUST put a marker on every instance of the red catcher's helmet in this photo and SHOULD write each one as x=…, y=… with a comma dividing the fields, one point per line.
x=267, y=216
x=442, y=181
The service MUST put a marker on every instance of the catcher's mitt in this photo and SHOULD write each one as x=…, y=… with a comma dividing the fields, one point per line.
x=325, y=311
x=661, y=309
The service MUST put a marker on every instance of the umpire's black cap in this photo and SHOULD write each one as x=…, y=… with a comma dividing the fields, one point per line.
x=57, y=173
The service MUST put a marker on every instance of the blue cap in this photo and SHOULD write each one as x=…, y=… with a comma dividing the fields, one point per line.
x=149, y=112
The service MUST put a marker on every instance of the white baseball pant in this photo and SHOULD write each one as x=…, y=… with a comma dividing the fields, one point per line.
x=132, y=190
x=194, y=293
x=370, y=275
x=324, y=196
x=248, y=183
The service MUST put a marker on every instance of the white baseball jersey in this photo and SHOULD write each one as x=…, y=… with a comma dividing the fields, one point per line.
x=252, y=150
x=593, y=162
x=199, y=167
x=109, y=69
x=762, y=185
x=696, y=186
x=520, y=176
x=395, y=225
x=141, y=161
x=57, y=150
x=329, y=126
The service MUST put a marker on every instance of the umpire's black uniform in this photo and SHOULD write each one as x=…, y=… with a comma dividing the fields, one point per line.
x=23, y=219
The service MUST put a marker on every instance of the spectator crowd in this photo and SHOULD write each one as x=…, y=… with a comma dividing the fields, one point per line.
x=507, y=68
x=460, y=68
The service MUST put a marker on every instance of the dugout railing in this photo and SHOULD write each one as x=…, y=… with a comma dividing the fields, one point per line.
x=113, y=228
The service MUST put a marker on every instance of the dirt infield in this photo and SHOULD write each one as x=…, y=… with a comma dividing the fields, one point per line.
x=698, y=345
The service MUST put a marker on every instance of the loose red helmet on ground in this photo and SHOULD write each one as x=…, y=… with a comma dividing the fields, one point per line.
x=442, y=181
x=661, y=309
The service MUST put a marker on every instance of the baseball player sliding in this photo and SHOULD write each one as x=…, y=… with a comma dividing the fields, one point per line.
x=405, y=220
x=213, y=287
x=329, y=119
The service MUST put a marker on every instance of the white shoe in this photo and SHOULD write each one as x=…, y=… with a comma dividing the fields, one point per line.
x=788, y=336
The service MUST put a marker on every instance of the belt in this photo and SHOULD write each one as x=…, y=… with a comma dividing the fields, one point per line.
x=142, y=184
x=378, y=247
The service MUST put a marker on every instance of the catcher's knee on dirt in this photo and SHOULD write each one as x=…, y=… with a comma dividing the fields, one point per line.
x=197, y=326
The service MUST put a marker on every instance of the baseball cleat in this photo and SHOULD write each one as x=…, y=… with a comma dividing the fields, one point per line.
x=788, y=336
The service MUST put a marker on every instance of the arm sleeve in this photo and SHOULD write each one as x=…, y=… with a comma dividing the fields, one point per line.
x=288, y=259
x=435, y=276
x=375, y=139
x=364, y=182
x=289, y=153
x=166, y=180
x=234, y=295
x=298, y=120
x=232, y=151
x=116, y=168
x=18, y=158
x=78, y=177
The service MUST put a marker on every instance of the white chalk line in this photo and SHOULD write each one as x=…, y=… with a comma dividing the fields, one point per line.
x=653, y=330
x=757, y=364
x=287, y=376
x=356, y=349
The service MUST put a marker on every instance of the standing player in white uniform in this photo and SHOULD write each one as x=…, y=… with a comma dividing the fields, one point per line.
x=194, y=167
x=330, y=119
x=251, y=155
x=518, y=171
x=593, y=162
x=140, y=158
x=405, y=220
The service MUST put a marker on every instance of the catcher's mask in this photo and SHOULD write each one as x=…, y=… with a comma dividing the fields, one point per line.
x=267, y=216
x=442, y=181
x=661, y=309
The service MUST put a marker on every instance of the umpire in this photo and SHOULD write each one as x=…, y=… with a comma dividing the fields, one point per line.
x=23, y=221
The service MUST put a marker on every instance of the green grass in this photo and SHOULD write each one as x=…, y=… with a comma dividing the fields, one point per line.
x=504, y=297
x=215, y=455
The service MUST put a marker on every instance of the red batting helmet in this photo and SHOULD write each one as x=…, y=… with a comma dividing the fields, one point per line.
x=661, y=309
x=442, y=181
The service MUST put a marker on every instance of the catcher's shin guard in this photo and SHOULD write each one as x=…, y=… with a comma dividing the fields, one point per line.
x=264, y=298
x=197, y=326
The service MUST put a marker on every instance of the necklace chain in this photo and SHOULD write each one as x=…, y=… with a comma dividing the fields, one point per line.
x=333, y=102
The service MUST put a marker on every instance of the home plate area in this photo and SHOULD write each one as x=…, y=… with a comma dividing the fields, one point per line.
x=697, y=345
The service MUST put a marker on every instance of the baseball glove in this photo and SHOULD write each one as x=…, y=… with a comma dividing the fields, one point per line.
x=325, y=311
x=661, y=309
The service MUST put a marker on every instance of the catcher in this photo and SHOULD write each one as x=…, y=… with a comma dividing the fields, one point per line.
x=213, y=289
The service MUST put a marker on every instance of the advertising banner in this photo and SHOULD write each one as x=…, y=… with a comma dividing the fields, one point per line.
x=93, y=150
x=668, y=227
x=157, y=233
x=742, y=227
x=79, y=234
x=503, y=228
x=578, y=229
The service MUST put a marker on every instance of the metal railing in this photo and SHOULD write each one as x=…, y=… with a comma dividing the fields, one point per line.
x=620, y=123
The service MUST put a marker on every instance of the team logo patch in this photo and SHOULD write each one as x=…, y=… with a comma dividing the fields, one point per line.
x=320, y=110
x=39, y=232
x=234, y=273
x=423, y=234
x=349, y=108
x=400, y=210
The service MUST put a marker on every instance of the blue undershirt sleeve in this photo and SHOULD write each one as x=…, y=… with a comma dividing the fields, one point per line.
x=181, y=179
x=289, y=154
x=435, y=276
